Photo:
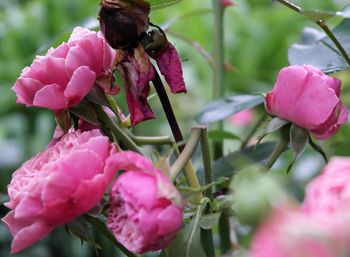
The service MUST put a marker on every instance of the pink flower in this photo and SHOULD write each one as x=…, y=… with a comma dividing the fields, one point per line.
x=63, y=182
x=242, y=118
x=65, y=75
x=308, y=98
x=291, y=233
x=169, y=64
x=146, y=209
x=330, y=192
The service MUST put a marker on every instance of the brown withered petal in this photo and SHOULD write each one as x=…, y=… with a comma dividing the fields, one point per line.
x=124, y=22
x=137, y=71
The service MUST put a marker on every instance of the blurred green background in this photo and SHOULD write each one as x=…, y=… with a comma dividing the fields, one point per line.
x=258, y=34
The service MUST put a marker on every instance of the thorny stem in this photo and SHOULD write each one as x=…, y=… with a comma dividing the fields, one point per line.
x=219, y=92
x=117, y=131
x=322, y=24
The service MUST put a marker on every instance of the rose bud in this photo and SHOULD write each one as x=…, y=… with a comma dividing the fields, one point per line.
x=145, y=208
x=305, y=96
x=123, y=23
x=54, y=187
x=66, y=74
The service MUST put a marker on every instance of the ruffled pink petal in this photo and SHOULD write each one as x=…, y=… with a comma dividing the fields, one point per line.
x=25, y=232
x=76, y=58
x=79, y=85
x=25, y=89
x=49, y=70
x=170, y=66
x=51, y=97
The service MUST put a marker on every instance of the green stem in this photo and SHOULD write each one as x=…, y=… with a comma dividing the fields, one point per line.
x=100, y=226
x=207, y=234
x=161, y=140
x=117, y=131
x=336, y=42
x=185, y=156
x=290, y=5
x=322, y=24
x=208, y=173
x=253, y=131
x=114, y=107
x=279, y=149
x=219, y=92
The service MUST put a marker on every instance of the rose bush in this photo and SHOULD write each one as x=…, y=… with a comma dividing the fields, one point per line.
x=146, y=209
x=65, y=75
x=308, y=98
x=57, y=185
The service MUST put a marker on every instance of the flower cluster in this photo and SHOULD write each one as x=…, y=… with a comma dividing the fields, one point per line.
x=72, y=175
x=319, y=227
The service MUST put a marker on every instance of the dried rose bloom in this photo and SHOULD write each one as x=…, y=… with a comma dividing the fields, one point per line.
x=124, y=22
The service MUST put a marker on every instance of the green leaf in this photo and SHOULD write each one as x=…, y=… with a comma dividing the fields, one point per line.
x=220, y=134
x=299, y=139
x=234, y=162
x=318, y=149
x=79, y=227
x=223, y=108
x=188, y=241
x=97, y=96
x=85, y=111
x=321, y=52
x=157, y=4
x=208, y=221
x=274, y=125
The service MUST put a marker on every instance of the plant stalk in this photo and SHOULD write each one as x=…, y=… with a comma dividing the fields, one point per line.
x=322, y=24
x=279, y=149
x=117, y=131
x=219, y=92
x=169, y=113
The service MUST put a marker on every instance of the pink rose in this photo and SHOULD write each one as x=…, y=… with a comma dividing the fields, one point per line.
x=63, y=182
x=146, y=209
x=292, y=233
x=330, y=192
x=308, y=98
x=65, y=75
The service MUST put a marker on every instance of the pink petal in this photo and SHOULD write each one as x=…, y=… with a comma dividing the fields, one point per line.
x=79, y=85
x=25, y=89
x=51, y=97
x=170, y=66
